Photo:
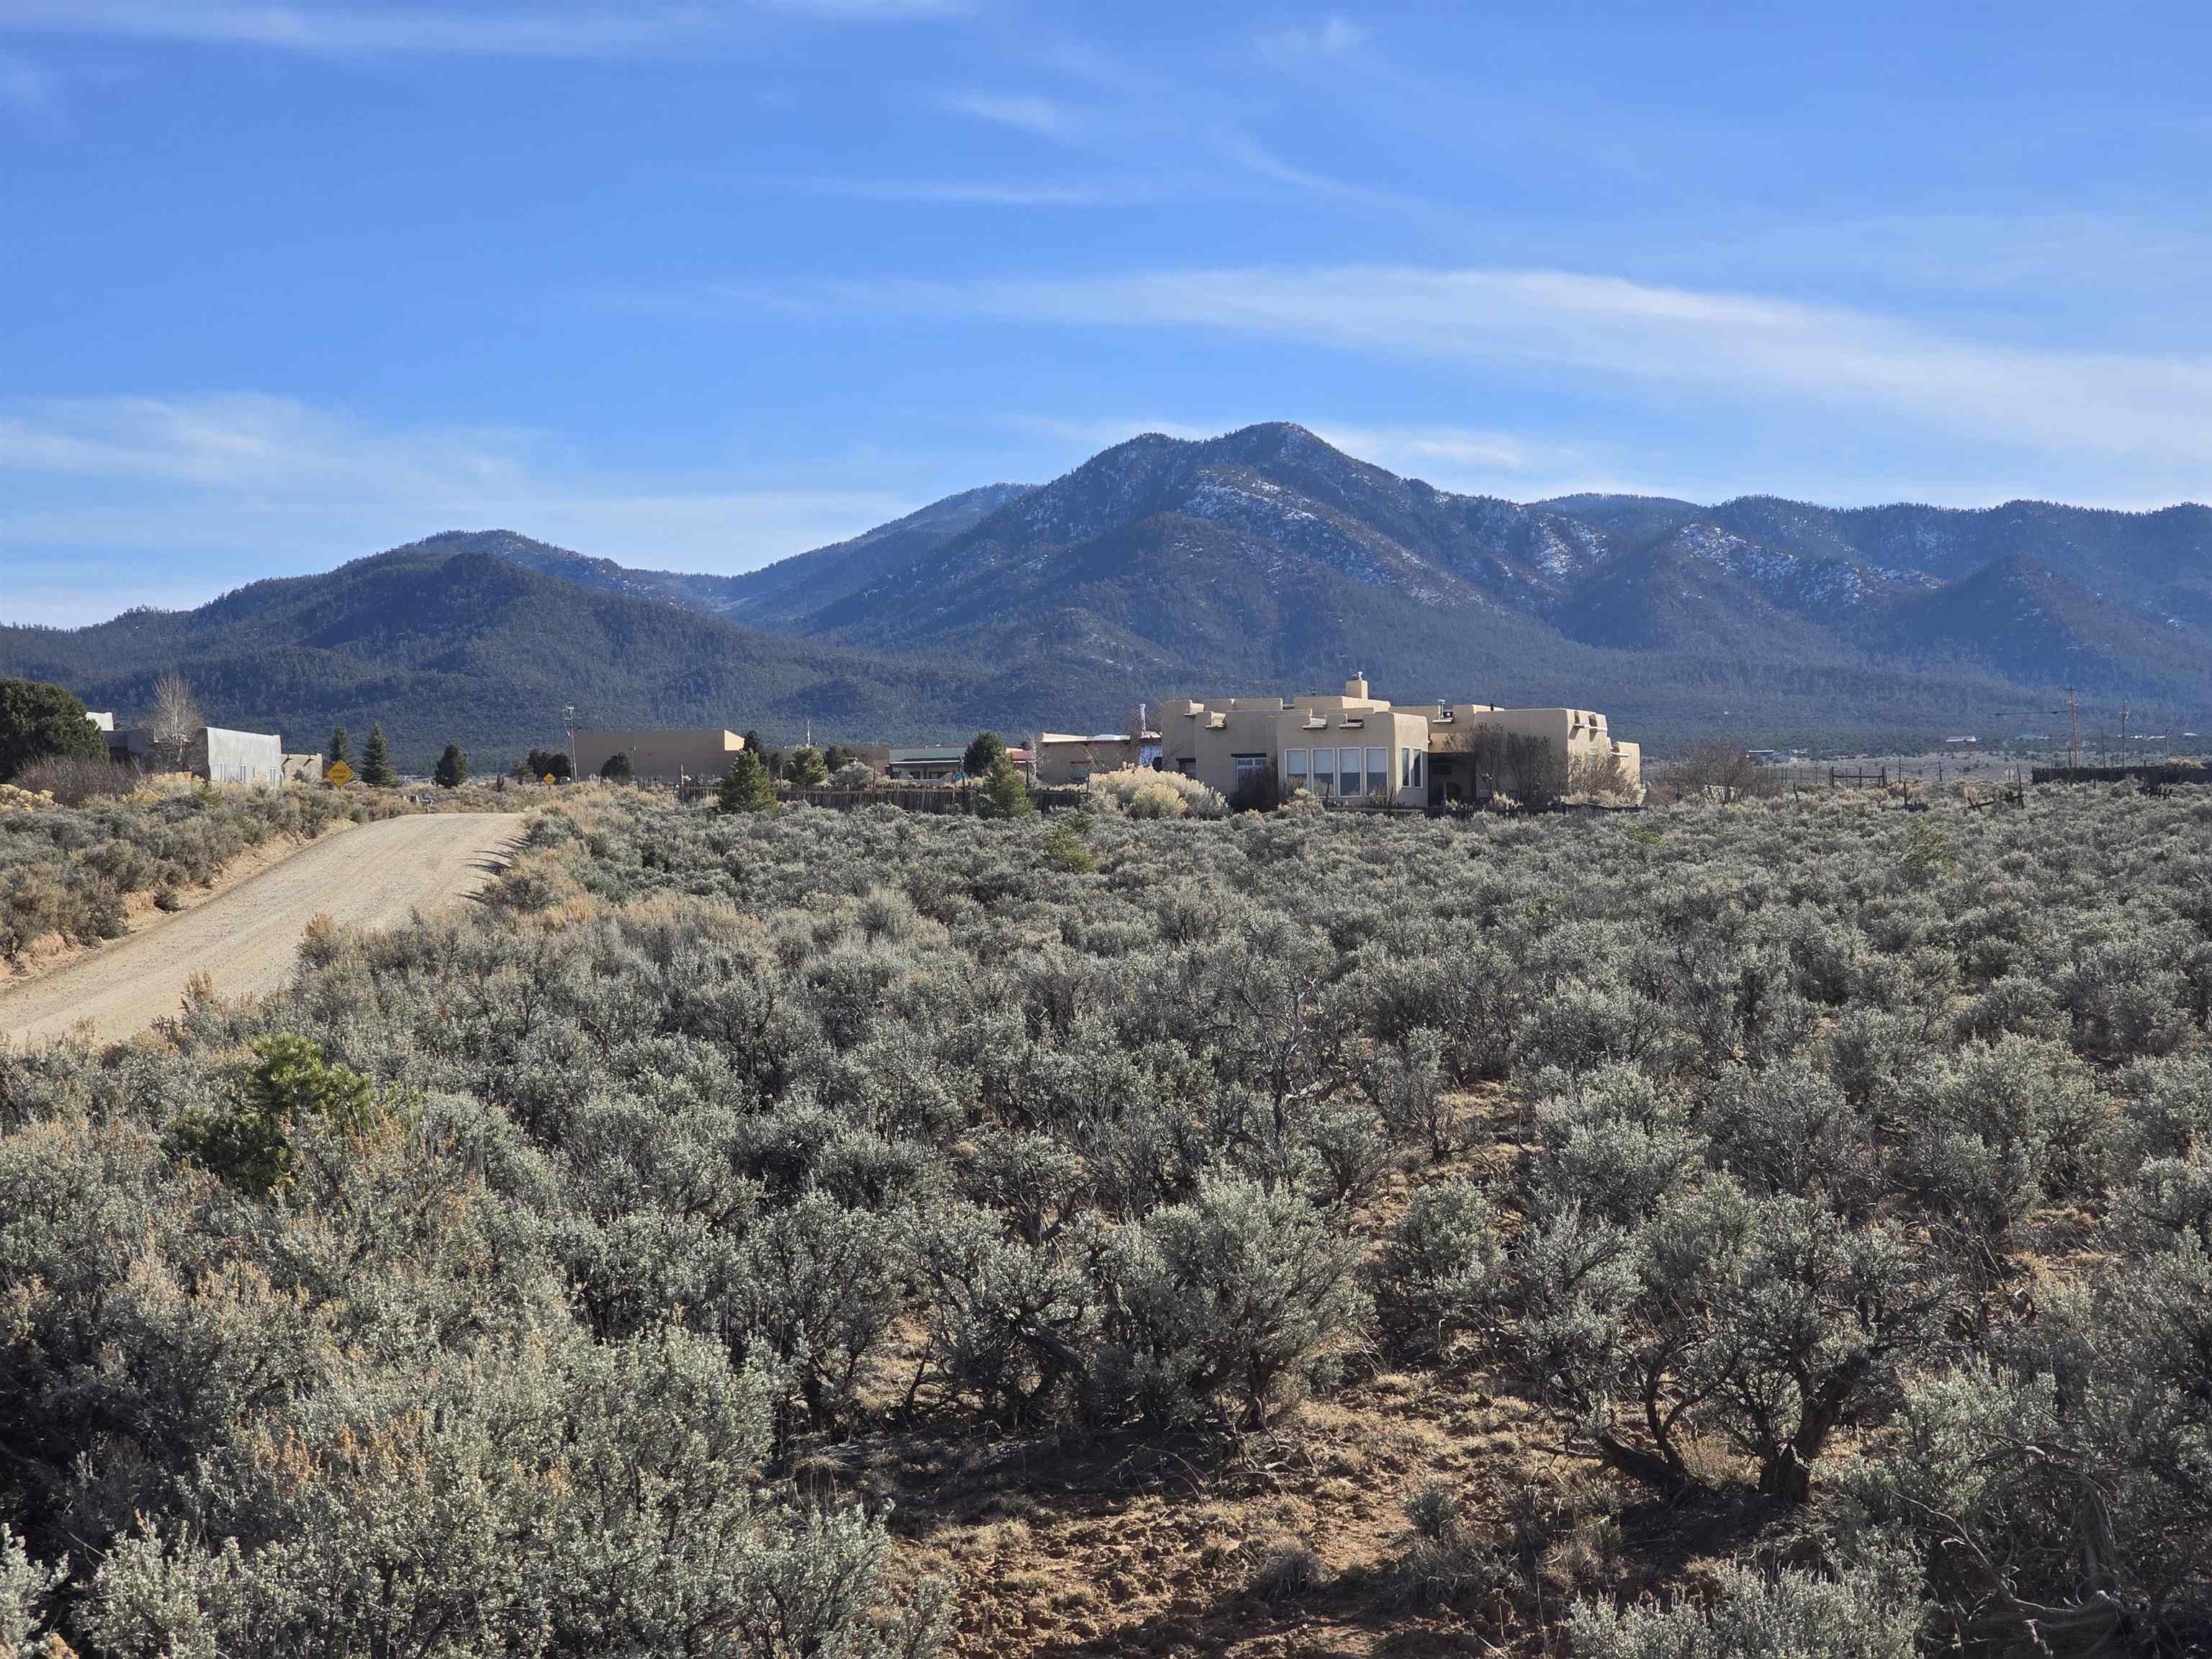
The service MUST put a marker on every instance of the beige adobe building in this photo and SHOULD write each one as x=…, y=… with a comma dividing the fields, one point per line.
x=1466, y=746
x=668, y=757
x=1357, y=748
x=1070, y=758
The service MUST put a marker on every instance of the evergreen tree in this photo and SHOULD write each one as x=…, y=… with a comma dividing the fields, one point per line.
x=376, y=760
x=746, y=786
x=805, y=767
x=38, y=721
x=618, y=769
x=1005, y=792
x=983, y=748
x=341, y=752
x=452, y=769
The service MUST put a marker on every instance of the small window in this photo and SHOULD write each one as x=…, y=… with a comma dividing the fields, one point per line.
x=1378, y=771
x=1324, y=771
x=1347, y=772
x=1294, y=763
x=1246, y=765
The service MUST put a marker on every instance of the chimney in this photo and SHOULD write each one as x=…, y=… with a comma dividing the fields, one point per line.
x=1357, y=685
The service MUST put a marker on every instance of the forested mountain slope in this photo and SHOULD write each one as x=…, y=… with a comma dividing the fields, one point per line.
x=443, y=641
x=1264, y=560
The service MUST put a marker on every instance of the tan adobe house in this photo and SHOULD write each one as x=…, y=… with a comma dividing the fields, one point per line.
x=1353, y=747
x=673, y=757
x=1070, y=758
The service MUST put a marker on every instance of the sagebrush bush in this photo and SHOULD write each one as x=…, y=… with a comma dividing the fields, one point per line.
x=1141, y=794
x=1769, y=1156
x=68, y=869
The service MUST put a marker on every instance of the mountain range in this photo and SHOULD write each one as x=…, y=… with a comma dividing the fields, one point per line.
x=1264, y=560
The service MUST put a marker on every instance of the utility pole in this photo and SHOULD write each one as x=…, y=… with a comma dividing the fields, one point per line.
x=2124, y=734
x=568, y=727
x=2074, y=714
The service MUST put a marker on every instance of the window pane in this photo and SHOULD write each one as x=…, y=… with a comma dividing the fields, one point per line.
x=1324, y=761
x=1347, y=764
x=1294, y=763
x=1378, y=771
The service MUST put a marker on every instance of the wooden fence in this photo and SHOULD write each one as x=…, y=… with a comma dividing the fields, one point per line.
x=957, y=798
x=2150, y=776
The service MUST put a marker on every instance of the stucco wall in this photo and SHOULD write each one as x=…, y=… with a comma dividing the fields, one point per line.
x=660, y=756
x=1204, y=740
x=225, y=756
x=1063, y=757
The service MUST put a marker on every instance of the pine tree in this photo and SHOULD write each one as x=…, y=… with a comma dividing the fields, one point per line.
x=983, y=748
x=38, y=721
x=452, y=770
x=1005, y=793
x=745, y=786
x=618, y=769
x=805, y=767
x=376, y=760
x=340, y=753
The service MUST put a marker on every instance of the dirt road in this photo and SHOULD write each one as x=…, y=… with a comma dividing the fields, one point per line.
x=248, y=939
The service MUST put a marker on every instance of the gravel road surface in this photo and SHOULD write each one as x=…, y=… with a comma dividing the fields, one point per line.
x=248, y=939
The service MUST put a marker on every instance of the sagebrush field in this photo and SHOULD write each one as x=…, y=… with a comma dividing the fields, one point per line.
x=1780, y=1228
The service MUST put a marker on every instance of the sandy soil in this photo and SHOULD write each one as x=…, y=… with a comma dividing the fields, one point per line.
x=246, y=940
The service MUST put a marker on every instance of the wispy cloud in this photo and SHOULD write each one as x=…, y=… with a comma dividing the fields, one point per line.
x=244, y=485
x=975, y=192
x=1776, y=351
x=1334, y=36
x=1026, y=112
x=28, y=92
x=550, y=32
x=874, y=9
x=1447, y=455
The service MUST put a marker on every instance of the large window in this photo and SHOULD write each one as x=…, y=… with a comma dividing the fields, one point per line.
x=1248, y=765
x=1378, y=771
x=1409, y=769
x=1324, y=772
x=1347, y=772
x=1294, y=765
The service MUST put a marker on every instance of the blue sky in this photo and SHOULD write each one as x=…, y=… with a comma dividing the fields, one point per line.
x=700, y=285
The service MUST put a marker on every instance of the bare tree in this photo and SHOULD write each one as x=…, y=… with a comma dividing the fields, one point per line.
x=176, y=717
x=1720, y=771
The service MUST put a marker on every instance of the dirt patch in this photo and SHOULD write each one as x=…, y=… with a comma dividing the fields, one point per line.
x=246, y=942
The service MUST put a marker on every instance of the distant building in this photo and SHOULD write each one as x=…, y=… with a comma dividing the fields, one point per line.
x=660, y=756
x=212, y=752
x=101, y=721
x=1070, y=758
x=931, y=763
x=1357, y=748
